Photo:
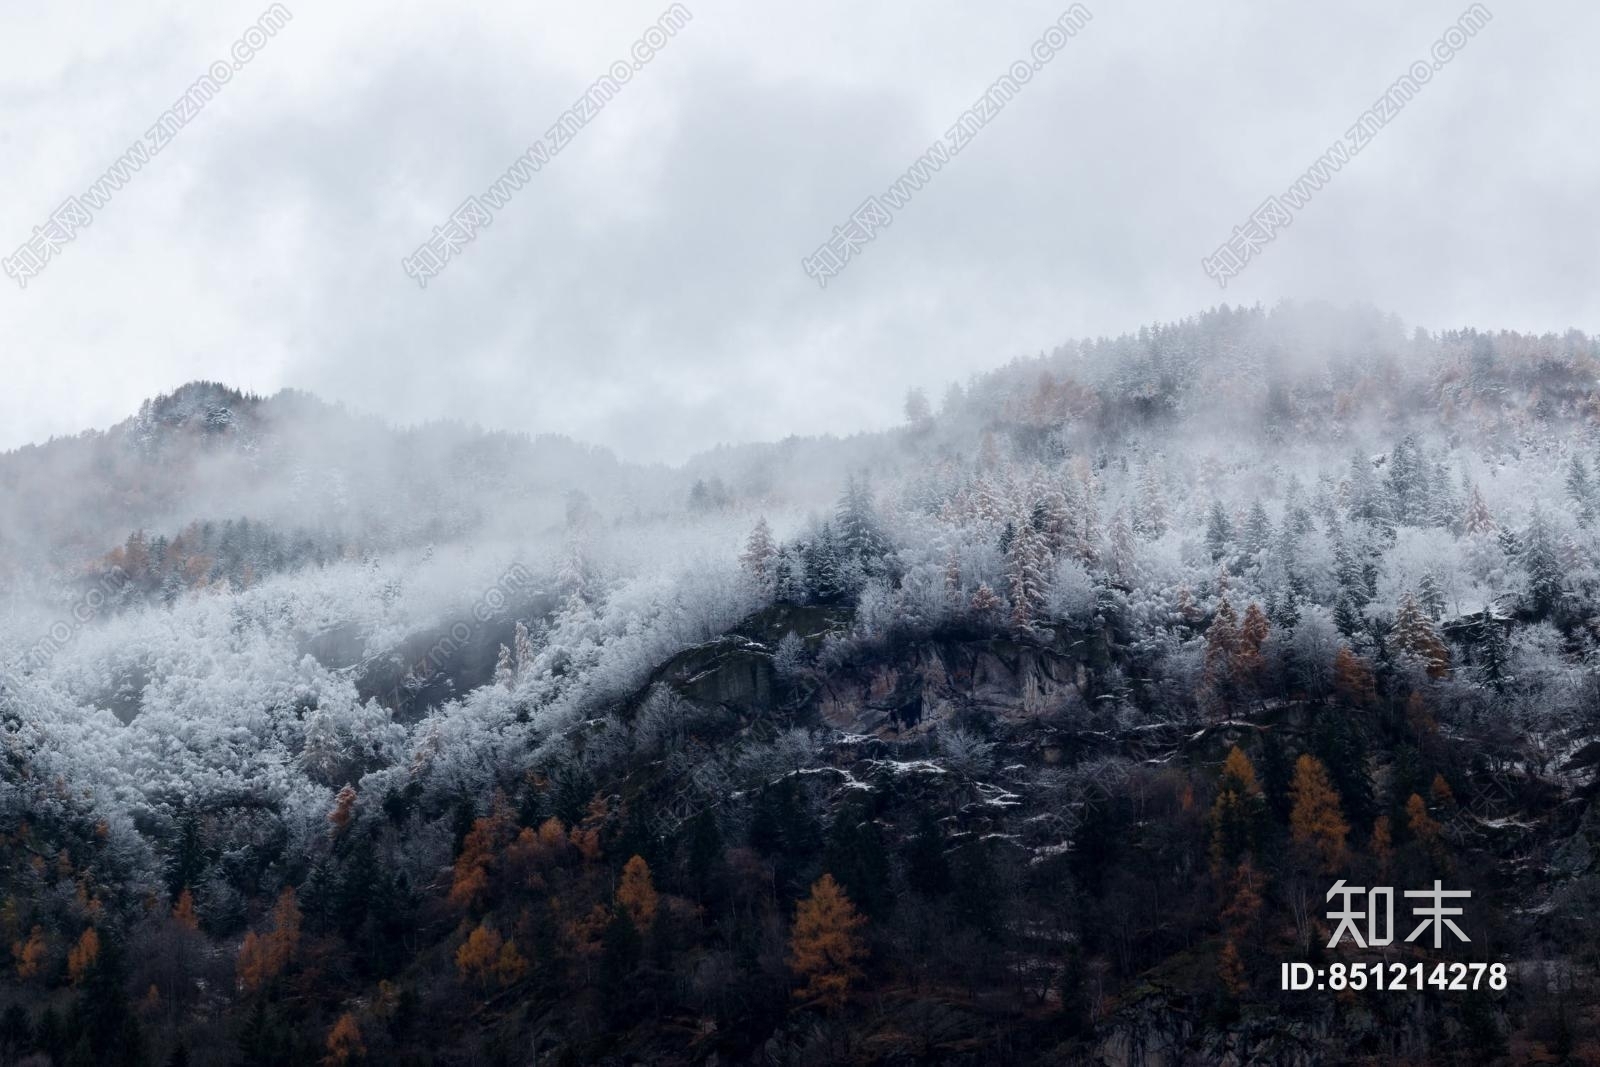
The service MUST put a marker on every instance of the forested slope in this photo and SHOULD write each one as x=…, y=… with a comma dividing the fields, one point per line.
x=1032, y=730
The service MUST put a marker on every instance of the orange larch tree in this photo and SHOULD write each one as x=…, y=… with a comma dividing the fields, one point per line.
x=1442, y=794
x=825, y=948
x=1315, y=819
x=344, y=1042
x=30, y=954
x=469, y=884
x=636, y=895
x=478, y=954
x=83, y=956
x=183, y=911
x=1230, y=968
x=984, y=601
x=1352, y=679
x=1250, y=664
x=262, y=958
x=485, y=958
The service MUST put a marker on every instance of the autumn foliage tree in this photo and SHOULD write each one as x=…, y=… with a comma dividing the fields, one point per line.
x=183, y=912
x=83, y=956
x=1249, y=664
x=344, y=1042
x=30, y=954
x=1230, y=969
x=636, y=895
x=1352, y=679
x=826, y=947
x=263, y=957
x=469, y=883
x=1315, y=819
x=1441, y=792
x=486, y=959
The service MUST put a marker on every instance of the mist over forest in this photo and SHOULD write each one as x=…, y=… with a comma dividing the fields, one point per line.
x=1029, y=730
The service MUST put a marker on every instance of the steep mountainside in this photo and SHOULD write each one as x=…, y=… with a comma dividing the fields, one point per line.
x=1034, y=730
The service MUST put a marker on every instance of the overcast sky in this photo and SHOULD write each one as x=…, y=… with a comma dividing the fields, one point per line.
x=645, y=290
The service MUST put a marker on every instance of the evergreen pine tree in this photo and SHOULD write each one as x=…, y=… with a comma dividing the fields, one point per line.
x=1581, y=490
x=1478, y=521
x=825, y=580
x=1123, y=552
x=1150, y=507
x=1219, y=531
x=1257, y=532
x=1431, y=597
x=1542, y=563
x=1493, y=651
x=759, y=559
x=1407, y=484
x=1345, y=616
x=861, y=542
x=1027, y=575
x=705, y=849
x=1289, y=611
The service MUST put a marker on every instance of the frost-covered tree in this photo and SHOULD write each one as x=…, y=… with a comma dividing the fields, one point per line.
x=1073, y=596
x=918, y=410
x=1257, y=534
x=1124, y=553
x=759, y=560
x=789, y=657
x=1541, y=565
x=1478, y=521
x=1580, y=491
x=1219, y=531
x=861, y=546
x=1150, y=508
x=1415, y=636
x=985, y=604
x=1313, y=645
x=1027, y=576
